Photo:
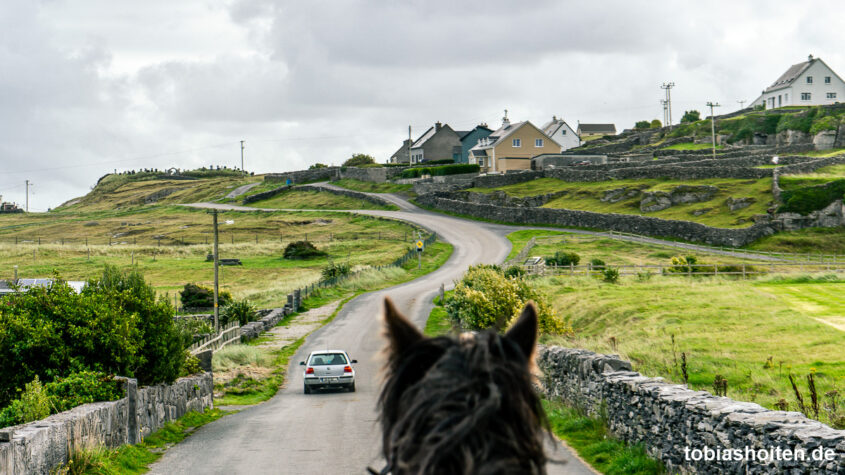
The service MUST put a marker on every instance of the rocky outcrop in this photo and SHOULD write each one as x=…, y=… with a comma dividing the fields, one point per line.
x=620, y=194
x=683, y=194
x=734, y=204
x=833, y=215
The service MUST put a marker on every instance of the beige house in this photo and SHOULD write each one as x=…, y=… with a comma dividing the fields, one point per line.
x=511, y=147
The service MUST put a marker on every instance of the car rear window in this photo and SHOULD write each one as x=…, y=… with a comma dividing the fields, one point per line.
x=326, y=359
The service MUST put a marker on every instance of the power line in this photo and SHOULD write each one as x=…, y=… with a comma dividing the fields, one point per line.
x=668, y=87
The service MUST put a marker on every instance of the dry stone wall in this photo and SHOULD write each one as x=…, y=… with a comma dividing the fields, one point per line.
x=676, y=424
x=41, y=446
x=303, y=176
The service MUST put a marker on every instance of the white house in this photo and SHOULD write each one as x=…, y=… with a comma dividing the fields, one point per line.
x=559, y=131
x=811, y=83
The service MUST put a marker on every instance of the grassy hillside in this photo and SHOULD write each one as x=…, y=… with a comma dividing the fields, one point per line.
x=265, y=276
x=370, y=187
x=302, y=199
x=587, y=196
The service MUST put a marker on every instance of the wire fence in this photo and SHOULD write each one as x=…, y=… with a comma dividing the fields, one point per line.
x=225, y=237
x=689, y=270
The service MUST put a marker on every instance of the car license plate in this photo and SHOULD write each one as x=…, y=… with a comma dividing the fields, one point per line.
x=328, y=380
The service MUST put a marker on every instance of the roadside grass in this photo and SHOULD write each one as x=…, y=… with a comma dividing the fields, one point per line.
x=438, y=322
x=264, y=278
x=122, y=191
x=611, y=251
x=135, y=459
x=302, y=199
x=810, y=241
x=370, y=187
x=753, y=333
x=819, y=177
x=260, y=372
x=589, y=437
x=692, y=146
x=586, y=196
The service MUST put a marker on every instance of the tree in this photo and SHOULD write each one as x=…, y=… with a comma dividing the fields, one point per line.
x=655, y=124
x=642, y=124
x=691, y=116
x=318, y=165
x=359, y=159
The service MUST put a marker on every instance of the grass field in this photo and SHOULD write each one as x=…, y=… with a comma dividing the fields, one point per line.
x=300, y=199
x=754, y=333
x=819, y=177
x=811, y=241
x=265, y=277
x=692, y=146
x=587, y=196
x=370, y=187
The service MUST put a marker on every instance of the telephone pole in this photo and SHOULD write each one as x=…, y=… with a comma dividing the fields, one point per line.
x=216, y=275
x=27, y=195
x=741, y=104
x=410, y=142
x=243, y=170
x=668, y=87
x=665, y=105
x=711, y=105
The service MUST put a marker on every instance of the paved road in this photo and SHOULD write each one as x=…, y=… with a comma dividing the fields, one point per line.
x=338, y=433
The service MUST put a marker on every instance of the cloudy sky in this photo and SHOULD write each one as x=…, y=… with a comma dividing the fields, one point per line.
x=90, y=86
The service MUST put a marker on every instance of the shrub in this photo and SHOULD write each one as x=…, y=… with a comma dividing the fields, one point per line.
x=302, y=250
x=193, y=327
x=800, y=121
x=807, y=199
x=824, y=123
x=514, y=271
x=562, y=258
x=455, y=169
x=193, y=295
x=642, y=124
x=691, y=116
x=655, y=124
x=161, y=342
x=333, y=271
x=358, y=160
x=192, y=365
x=33, y=405
x=317, y=165
x=485, y=298
x=239, y=310
x=611, y=275
x=597, y=263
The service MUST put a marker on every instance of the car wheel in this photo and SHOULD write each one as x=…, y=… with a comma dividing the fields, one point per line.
x=352, y=388
x=307, y=389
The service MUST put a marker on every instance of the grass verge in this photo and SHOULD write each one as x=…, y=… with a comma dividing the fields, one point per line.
x=370, y=187
x=302, y=199
x=134, y=459
x=438, y=322
x=590, y=438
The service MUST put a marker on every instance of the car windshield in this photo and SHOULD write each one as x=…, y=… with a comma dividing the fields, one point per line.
x=327, y=359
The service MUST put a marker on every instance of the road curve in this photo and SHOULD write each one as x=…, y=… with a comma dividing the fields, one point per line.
x=337, y=433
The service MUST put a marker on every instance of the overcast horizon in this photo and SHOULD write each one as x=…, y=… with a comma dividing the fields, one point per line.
x=89, y=87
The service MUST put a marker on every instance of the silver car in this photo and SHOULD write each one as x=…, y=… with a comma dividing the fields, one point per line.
x=328, y=369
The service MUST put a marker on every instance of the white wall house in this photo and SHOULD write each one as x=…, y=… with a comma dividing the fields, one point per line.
x=559, y=131
x=811, y=83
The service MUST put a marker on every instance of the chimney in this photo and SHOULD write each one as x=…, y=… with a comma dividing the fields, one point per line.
x=437, y=126
x=554, y=118
x=505, y=121
x=810, y=58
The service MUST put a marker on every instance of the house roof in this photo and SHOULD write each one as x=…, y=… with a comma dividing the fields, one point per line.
x=403, y=148
x=597, y=128
x=790, y=75
x=551, y=127
x=500, y=134
x=424, y=137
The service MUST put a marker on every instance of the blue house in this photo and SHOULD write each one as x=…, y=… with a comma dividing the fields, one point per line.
x=469, y=139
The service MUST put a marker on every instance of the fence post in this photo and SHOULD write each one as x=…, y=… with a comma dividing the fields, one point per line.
x=743, y=271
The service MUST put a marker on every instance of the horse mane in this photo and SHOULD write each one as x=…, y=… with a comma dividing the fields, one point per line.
x=468, y=406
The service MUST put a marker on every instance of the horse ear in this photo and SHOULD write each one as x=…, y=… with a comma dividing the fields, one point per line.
x=399, y=331
x=524, y=331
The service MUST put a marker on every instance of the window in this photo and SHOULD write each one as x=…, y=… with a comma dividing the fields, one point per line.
x=831, y=95
x=805, y=96
x=517, y=143
x=827, y=79
x=780, y=101
x=563, y=132
x=809, y=79
x=786, y=98
x=538, y=142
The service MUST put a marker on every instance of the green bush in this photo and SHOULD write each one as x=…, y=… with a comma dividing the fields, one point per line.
x=514, y=271
x=455, y=169
x=655, y=124
x=359, y=159
x=333, y=271
x=302, y=250
x=642, y=124
x=192, y=365
x=562, y=258
x=611, y=275
x=807, y=199
x=824, y=123
x=691, y=116
x=597, y=263
x=161, y=354
x=196, y=296
x=239, y=310
x=801, y=121
x=485, y=298
x=33, y=405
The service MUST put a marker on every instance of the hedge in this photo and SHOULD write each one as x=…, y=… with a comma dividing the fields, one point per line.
x=440, y=171
x=811, y=198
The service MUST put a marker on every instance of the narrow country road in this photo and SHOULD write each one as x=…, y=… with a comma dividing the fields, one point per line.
x=337, y=433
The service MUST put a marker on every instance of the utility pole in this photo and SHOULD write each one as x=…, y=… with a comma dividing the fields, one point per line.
x=27, y=195
x=216, y=265
x=665, y=105
x=711, y=105
x=243, y=170
x=741, y=104
x=410, y=142
x=668, y=87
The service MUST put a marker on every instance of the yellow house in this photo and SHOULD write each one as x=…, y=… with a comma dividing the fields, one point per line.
x=511, y=147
